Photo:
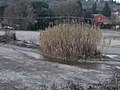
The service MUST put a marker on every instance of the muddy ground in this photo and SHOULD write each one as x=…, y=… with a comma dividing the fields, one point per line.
x=27, y=68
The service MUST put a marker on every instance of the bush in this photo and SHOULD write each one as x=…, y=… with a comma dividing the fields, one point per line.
x=70, y=41
x=106, y=26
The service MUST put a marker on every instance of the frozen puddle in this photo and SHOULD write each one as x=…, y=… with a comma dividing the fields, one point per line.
x=9, y=49
x=31, y=54
x=112, y=56
x=118, y=67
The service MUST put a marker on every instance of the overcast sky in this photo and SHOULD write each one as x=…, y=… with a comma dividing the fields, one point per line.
x=118, y=1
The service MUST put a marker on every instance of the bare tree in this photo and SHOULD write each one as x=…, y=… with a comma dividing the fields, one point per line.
x=66, y=8
x=19, y=13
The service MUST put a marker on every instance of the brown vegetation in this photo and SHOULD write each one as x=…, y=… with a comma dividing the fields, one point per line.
x=66, y=8
x=19, y=14
x=70, y=41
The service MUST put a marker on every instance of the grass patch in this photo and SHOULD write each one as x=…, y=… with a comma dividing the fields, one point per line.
x=70, y=41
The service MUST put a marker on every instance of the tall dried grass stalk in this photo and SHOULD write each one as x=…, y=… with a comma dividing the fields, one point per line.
x=70, y=41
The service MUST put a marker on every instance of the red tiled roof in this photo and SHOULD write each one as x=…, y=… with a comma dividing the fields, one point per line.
x=101, y=18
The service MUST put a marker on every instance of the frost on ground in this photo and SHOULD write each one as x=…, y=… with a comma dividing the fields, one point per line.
x=112, y=44
x=112, y=56
x=26, y=67
x=28, y=36
x=23, y=69
x=110, y=36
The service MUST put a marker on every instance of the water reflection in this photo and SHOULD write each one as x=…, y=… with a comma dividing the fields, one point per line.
x=85, y=65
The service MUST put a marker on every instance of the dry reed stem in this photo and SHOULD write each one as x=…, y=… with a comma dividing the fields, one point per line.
x=70, y=41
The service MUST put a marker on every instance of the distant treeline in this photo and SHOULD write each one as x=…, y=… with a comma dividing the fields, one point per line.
x=36, y=9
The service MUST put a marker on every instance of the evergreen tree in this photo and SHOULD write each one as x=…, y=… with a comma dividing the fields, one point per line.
x=94, y=8
x=41, y=10
x=106, y=10
x=80, y=7
x=2, y=8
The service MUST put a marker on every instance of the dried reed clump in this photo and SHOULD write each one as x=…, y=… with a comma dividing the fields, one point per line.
x=70, y=41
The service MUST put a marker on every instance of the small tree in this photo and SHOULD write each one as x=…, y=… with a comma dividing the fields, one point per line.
x=19, y=13
x=87, y=15
x=41, y=10
x=94, y=8
x=2, y=8
x=80, y=7
x=106, y=10
x=66, y=8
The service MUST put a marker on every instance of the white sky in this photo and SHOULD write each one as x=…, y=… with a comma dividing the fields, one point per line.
x=118, y=1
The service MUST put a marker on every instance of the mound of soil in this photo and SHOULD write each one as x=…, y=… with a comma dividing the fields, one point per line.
x=6, y=39
x=11, y=39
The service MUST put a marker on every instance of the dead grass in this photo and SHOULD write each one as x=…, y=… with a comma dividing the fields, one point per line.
x=70, y=41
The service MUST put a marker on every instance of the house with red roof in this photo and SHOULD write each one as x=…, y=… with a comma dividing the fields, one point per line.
x=99, y=19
